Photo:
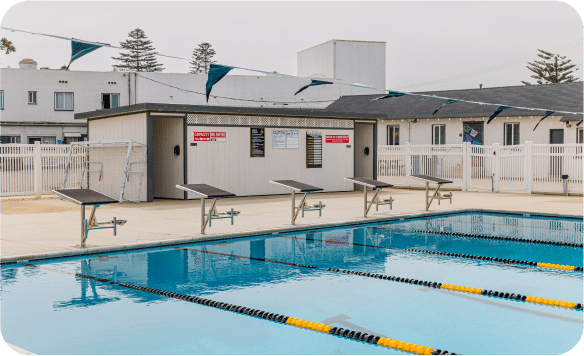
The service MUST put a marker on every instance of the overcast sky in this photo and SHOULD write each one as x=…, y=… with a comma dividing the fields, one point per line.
x=429, y=44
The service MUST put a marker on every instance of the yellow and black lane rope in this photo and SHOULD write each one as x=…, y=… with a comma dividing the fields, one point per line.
x=516, y=239
x=455, y=288
x=278, y=318
x=502, y=260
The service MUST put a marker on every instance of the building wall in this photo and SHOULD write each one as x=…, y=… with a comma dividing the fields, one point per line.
x=132, y=127
x=255, y=88
x=228, y=165
x=420, y=133
x=347, y=61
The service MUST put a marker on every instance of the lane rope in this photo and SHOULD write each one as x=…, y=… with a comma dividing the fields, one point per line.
x=278, y=318
x=455, y=288
x=516, y=239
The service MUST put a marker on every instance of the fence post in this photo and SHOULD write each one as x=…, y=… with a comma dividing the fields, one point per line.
x=466, y=165
x=38, y=169
x=495, y=168
x=408, y=163
x=528, y=176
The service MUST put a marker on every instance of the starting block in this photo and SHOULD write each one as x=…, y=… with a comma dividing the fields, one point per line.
x=437, y=194
x=374, y=184
x=89, y=197
x=301, y=188
x=207, y=191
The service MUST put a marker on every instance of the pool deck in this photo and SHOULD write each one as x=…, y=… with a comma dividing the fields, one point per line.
x=50, y=227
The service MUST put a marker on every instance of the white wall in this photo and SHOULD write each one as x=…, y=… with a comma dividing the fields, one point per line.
x=420, y=133
x=276, y=89
x=228, y=165
x=347, y=61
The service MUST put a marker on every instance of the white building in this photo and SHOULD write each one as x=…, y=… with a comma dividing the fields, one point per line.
x=410, y=118
x=39, y=104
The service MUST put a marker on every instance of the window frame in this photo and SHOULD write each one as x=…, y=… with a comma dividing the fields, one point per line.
x=12, y=137
x=34, y=102
x=579, y=134
x=513, y=131
x=442, y=137
x=72, y=101
x=1, y=99
x=110, y=94
x=42, y=137
x=394, y=138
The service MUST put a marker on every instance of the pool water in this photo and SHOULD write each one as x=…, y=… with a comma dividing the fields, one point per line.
x=48, y=310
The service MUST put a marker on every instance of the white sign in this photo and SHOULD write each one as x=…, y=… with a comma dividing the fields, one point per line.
x=285, y=139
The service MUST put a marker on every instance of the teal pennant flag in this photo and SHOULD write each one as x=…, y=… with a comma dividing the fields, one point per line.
x=216, y=73
x=497, y=112
x=391, y=94
x=313, y=82
x=449, y=101
x=547, y=113
x=79, y=49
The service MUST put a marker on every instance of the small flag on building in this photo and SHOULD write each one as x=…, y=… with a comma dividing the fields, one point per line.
x=79, y=49
x=547, y=113
x=313, y=82
x=497, y=112
x=449, y=101
x=216, y=73
x=391, y=94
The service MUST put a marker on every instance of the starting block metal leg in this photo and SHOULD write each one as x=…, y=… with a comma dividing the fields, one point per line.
x=83, y=226
x=296, y=210
x=427, y=188
x=202, y=215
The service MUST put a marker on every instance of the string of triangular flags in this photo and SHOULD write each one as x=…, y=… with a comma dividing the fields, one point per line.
x=80, y=48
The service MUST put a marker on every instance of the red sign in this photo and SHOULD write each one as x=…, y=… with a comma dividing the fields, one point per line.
x=210, y=136
x=337, y=138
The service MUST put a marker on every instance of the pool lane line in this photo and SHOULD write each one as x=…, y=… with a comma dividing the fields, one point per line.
x=246, y=257
x=462, y=289
x=510, y=296
x=278, y=318
x=516, y=239
x=501, y=260
x=458, y=255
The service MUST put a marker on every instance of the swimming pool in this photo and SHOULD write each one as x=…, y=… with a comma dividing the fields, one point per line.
x=122, y=303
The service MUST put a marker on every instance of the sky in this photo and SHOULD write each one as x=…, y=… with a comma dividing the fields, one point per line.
x=430, y=45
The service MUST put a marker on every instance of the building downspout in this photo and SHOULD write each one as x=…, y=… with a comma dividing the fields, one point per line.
x=129, y=90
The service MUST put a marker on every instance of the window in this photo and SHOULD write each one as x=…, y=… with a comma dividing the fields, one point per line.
x=511, y=133
x=32, y=97
x=579, y=135
x=43, y=139
x=109, y=101
x=2, y=99
x=439, y=134
x=64, y=101
x=393, y=135
x=9, y=139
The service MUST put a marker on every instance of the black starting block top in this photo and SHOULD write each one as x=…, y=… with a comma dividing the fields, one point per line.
x=297, y=186
x=85, y=196
x=205, y=190
x=431, y=179
x=372, y=183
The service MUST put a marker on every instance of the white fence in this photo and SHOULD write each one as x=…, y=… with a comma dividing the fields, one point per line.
x=527, y=167
x=37, y=169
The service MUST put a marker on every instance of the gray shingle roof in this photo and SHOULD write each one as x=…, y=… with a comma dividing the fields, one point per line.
x=564, y=97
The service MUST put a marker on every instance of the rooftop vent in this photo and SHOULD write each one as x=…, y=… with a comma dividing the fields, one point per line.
x=27, y=63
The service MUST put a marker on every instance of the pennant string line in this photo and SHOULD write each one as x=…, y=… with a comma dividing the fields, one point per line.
x=390, y=93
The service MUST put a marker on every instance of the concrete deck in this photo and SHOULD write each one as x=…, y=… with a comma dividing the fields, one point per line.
x=33, y=228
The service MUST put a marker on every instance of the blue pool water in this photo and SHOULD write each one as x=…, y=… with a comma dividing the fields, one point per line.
x=48, y=310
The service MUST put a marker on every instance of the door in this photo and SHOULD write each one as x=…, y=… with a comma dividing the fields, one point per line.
x=365, y=150
x=556, y=138
x=168, y=157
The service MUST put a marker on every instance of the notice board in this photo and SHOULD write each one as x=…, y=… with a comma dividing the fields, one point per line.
x=313, y=149
x=257, y=142
x=285, y=139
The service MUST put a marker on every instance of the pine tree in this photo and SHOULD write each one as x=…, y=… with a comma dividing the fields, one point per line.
x=7, y=46
x=202, y=58
x=553, y=69
x=140, y=56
